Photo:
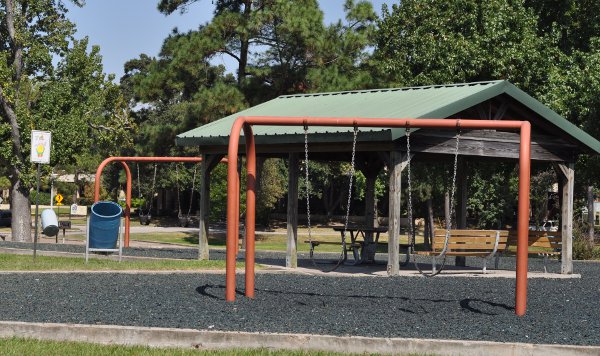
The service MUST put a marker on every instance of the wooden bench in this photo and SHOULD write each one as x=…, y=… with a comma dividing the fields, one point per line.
x=472, y=243
x=541, y=243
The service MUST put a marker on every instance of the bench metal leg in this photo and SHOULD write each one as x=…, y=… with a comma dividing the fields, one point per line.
x=433, y=265
x=356, y=255
x=484, y=265
x=545, y=261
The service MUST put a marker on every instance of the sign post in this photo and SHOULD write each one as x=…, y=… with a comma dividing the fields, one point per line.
x=40, y=154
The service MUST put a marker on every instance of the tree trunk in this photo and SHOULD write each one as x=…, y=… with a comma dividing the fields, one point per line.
x=244, y=45
x=430, y=224
x=590, y=206
x=21, y=217
x=447, y=209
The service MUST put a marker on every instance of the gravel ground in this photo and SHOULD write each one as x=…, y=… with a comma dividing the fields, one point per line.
x=559, y=311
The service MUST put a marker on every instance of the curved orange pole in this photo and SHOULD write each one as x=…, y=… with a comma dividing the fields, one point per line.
x=232, y=218
x=523, y=219
x=233, y=190
x=250, y=208
x=127, y=212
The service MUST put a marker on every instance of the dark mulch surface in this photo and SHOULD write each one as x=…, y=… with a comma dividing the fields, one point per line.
x=559, y=311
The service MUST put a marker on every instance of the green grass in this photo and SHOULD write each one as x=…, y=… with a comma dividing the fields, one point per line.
x=268, y=242
x=21, y=346
x=9, y=262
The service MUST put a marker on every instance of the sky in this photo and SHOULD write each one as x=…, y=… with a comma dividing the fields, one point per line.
x=126, y=28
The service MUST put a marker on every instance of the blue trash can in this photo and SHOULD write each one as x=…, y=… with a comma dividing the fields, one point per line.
x=105, y=221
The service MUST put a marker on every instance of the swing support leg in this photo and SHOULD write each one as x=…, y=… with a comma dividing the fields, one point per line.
x=233, y=189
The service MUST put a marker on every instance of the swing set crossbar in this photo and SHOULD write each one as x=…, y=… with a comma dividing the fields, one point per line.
x=245, y=123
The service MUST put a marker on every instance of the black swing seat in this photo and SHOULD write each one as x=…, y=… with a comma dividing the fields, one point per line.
x=471, y=243
x=145, y=219
x=185, y=221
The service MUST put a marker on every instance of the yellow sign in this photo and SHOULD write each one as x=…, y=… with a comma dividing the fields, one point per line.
x=59, y=199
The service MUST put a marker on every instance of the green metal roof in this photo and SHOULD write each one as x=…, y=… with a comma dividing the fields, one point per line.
x=439, y=101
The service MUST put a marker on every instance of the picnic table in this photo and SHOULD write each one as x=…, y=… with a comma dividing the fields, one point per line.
x=363, y=241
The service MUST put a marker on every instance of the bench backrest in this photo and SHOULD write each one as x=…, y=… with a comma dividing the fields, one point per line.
x=549, y=240
x=470, y=240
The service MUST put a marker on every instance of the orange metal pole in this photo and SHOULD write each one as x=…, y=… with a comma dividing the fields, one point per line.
x=127, y=202
x=523, y=219
x=232, y=219
x=233, y=188
x=250, y=208
x=237, y=211
x=380, y=122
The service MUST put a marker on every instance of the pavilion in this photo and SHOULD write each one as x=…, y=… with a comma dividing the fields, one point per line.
x=554, y=141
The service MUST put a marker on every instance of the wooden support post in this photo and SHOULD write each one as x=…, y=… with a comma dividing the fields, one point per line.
x=566, y=174
x=291, y=257
x=206, y=166
x=461, y=207
x=397, y=163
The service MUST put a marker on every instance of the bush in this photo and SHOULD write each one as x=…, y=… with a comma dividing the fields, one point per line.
x=583, y=249
x=44, y=198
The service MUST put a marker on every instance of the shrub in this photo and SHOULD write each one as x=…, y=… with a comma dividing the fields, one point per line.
x=44, y=198
x=583, y=249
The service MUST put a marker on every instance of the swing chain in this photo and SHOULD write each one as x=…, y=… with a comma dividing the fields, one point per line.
x=178, y=190
x=306, y=182
x=151, y=197
x=351, y=177
x=454, y=176
x=411, y=235
x=152, y=191
x=138, y=181
x=192, y=192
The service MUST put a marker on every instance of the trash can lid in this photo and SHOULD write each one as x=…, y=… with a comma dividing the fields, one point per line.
x=107, y=209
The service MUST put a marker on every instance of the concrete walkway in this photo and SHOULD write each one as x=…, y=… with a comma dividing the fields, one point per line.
x=210, y=340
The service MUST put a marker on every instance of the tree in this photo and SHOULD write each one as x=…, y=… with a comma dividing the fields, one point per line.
x=73, y=97
x=32, y=31
x=426, y=42
x=281, y=47
x=576, y=22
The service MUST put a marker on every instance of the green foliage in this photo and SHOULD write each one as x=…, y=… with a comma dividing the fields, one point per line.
x=218, y=193
x=44, y=198
x=4, y=183
x=273, y=187
x=582, y=248
x=541, y=184
x=343, y=59
x=50, y=81
x=280, y=47
x=426, y=42
x=492, y=194
x=577, y=22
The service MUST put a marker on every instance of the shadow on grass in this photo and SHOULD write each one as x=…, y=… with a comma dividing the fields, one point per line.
x=214, y=239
